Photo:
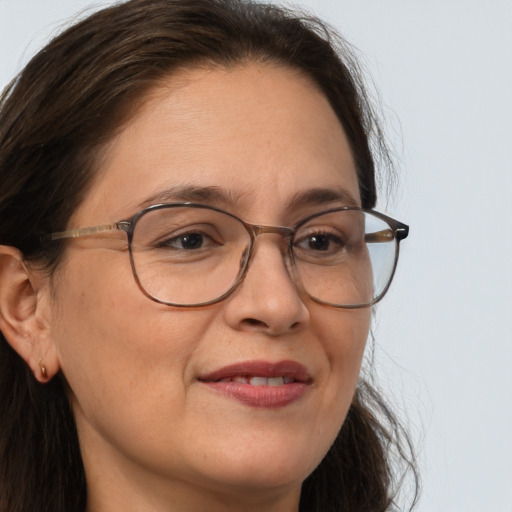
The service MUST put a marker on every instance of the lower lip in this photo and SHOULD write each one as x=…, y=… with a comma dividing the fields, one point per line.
x=267, y=397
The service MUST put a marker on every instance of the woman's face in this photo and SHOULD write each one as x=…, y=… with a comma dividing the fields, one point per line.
x=151, y=422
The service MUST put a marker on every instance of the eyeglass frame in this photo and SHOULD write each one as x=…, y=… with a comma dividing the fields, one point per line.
x=399, y=231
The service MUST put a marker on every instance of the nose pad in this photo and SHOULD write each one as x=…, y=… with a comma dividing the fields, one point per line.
x=244, y=260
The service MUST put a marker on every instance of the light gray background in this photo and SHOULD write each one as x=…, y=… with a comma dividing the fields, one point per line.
x=444, y=343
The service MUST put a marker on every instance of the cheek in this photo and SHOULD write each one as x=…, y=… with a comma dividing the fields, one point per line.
x=344, y=334
x=118, y=350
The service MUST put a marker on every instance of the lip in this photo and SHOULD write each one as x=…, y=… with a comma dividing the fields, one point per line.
x=261, y=396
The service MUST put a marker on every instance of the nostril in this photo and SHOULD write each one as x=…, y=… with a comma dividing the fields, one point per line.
x=254, y=322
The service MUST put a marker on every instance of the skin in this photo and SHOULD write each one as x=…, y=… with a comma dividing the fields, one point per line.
x=153, y=437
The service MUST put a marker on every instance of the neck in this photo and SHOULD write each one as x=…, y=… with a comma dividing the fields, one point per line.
x=187, y=498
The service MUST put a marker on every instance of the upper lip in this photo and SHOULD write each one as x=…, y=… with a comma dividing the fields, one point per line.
x=290, y=369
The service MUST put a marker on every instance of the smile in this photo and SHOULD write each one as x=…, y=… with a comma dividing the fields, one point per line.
x=259, y=383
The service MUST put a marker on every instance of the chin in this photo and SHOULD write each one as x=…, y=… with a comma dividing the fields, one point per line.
x=265, y=465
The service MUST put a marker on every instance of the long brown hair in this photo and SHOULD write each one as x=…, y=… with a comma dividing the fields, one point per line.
x=56, y=117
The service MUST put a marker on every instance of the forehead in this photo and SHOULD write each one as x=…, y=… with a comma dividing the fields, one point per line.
x=259, y=133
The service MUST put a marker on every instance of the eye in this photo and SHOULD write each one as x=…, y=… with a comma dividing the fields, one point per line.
x=189, y=241
x=320, y=242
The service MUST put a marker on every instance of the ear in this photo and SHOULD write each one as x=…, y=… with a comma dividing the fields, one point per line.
x=25, y=313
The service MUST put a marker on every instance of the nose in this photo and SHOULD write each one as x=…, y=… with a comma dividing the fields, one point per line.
x=268, y=300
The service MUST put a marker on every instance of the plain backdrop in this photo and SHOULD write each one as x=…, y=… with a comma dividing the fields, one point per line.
x=443, y=69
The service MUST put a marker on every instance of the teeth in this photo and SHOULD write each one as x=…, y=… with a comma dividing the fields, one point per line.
x=275, y=381
x=258, y=381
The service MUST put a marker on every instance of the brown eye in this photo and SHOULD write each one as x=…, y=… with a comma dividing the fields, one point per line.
x=322, y=242
x=186, y=241
x=319, y=242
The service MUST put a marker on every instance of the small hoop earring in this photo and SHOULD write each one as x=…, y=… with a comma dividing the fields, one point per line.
x=44, y=373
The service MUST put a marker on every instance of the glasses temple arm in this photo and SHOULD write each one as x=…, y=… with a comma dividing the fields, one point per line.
x=386, y=235
x=76, y=233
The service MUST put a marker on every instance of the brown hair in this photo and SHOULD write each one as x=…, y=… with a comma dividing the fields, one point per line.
x=56, y=116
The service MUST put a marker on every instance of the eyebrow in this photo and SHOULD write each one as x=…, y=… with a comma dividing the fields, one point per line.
x=218, y=196
x=321, y=196
x=192, y=194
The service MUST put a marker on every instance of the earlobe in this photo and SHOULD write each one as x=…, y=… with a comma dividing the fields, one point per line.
x=23, y=312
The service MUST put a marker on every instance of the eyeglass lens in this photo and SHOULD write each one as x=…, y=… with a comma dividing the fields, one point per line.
x=191, y=256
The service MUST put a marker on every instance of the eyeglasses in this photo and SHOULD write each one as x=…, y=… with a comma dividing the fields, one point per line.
x=189, y=255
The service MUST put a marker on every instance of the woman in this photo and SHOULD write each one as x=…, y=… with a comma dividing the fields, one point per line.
x=188, y=264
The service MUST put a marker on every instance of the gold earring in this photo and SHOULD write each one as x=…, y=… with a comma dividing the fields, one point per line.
x=44, y=373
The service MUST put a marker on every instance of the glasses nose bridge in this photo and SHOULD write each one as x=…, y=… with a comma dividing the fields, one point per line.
x=286, y=236
x=285, y=233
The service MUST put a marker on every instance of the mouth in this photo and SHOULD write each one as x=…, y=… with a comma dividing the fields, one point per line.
x=260, y=383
